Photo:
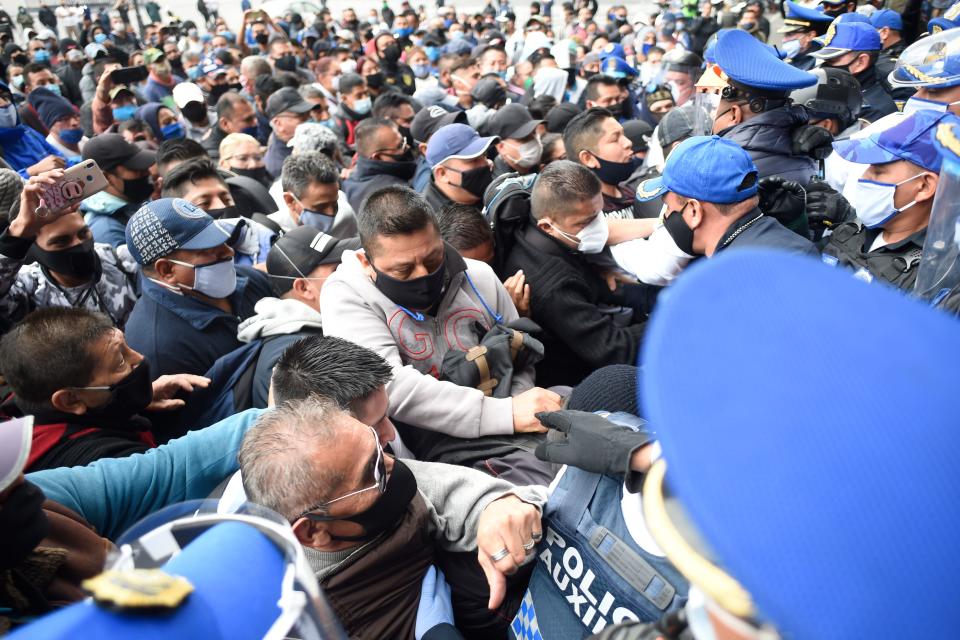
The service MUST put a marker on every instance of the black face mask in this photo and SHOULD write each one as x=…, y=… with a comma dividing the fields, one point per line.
x=259, y=174
x=262, y=39
x=678, y=229
x=286, y=63
x=23, y=524
x=391, y=53
x=128, y=397
x=195, y=112
x=138, y=189
x=79, y=261
x=375, y=80
x=615, y=172
x=389, y=509
x=225, y=212
x=476, y=180
x=418, y=294
x=219, y=89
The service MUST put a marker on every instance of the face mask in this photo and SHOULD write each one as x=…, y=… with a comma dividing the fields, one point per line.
x=417, y=294
x=375, y=80
x=615, y=172
x=362, y=106
x=319, y=221
x=250, y=131
x=172, y=131
x=100, y=38
x=23, y=524
x=128, y=397
x=678, y=229
x=791, y=48
x=592, y=238
x=916, y=104
x=80, y=261
x=21, y=59
x=286, y=63
x=348, y=66
x=8, y=116
x=476, y=181
x=645, y=48
x=391, y=53
x=529, y=153
x=137, y=189
x=215, y=280
x=433, y=53
x=54, y=89
x=195, y=112
x=421, y=70
x=873, y=201
x=456, y=35
x=41, y=56
x=389, y=509
x=126, y=112
x=257, y=173
x=403, y=32
x=224, y=212
x=71, y=136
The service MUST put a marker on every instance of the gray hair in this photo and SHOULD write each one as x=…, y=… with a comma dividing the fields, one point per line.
x=301, y=170
x=190, y=56
x=256, y=66
x=561, y=185
x=308, y=91
x=277, y=456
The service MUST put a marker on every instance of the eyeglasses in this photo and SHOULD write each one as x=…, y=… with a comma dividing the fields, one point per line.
x=379, y=483
x=395, y=151
x=255, y=157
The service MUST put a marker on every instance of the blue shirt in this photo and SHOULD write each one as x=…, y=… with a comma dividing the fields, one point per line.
x=182, y=334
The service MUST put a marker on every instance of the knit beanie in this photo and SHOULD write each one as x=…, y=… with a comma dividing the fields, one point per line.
x=50, y=106
x=612, y=388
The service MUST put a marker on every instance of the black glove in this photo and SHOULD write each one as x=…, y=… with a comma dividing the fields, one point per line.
x=811, y=140
x=781, y=199
x=825, y=206
x=591, y=442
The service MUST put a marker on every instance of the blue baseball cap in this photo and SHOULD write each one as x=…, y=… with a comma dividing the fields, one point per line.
x=617, y=68
x=949, y=20
x=844, y=37
x=911, y=139
x=751, y=63
x=828, y=514
x=852, y=16
x=801, y=18
x=166, y=225
x=947, y=141
x=613, y=49
x=887, y=19
x=708, y=168
x=456, y=142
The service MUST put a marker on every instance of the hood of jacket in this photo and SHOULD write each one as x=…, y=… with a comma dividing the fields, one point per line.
x=277, y=317
x=769, y=131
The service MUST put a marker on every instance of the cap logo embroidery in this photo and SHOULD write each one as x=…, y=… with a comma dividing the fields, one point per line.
x=320, y=242
x=830, y=34
x=436, y=112
x=946, y=137
x=187, y=209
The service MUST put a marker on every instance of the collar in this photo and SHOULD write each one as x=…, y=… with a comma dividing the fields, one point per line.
x=870, y=235
x=194, y=311
x=739, y=226
x=370, y=168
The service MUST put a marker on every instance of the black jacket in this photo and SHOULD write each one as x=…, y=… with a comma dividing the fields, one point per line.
x=399, y=76
x=372, y=175
x=754, y=229
x=767, y=139
x=573, y=304
x=885, y=64
x=211, y=141
x=876, y=101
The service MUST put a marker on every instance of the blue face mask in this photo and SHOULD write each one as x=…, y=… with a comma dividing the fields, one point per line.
x=646, y=48
x=100, y=38
x=71, y=136
x=330, y=123
x=318, y=221
x=54, y=89
x=41, y=55
x=126, y=112
x=8, y=116
x=421, y=70
x=402, y=32
x=433, y=53
x=250, y=131
x=172, y=131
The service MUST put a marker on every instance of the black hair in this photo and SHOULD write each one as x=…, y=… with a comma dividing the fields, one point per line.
x=227, y=103
x=583, y=130
x=191, y=171
x=561, y=185
x=463, y=227
x=540, y=106
x=349, y=82
x=178, y=150
x=367, y=135
x=592, y=90
x=386, y=103
x=393, y=211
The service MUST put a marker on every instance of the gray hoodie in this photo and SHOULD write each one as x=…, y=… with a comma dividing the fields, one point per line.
x=354, y=309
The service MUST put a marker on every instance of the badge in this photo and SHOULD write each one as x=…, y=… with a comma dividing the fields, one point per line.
x=138, y=589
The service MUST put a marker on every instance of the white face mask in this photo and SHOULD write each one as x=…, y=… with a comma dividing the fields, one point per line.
x=348, y=66
x=8, y=116
x=873, y=201
x=215, y=280
x=592, y=238
x=362, y=106
x=528, y=153
x=915, y=104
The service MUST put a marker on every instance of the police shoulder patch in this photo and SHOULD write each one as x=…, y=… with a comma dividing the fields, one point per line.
x=138, y=589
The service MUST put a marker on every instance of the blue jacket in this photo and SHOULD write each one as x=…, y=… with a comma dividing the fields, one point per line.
x=156, y=92
x=754, y=229
x=112, y=494
x=767, y=139
x=181, y=334
x=110, y=227
x=422, y=176
x=22, y=147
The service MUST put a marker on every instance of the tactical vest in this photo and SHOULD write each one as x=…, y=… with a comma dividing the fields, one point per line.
x=590, y=573
x=846, y=248
x=377, y=596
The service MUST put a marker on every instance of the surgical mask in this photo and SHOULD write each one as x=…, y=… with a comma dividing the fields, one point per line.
x=335, y=83
x=791, y=48
x=54, y=89
x=416, y=294
x=433, y=53
x=362, y=106
x=915, y=104
x=17, y=81
x=80, y=261
x=126, y=112
x=873, y=201
x=421, y=70
x=128, y=397
x=71, y=136
x=215, y=280
x=592, y=238
x=348, y=66
x=172, y=131
x=8, y=116
x=615, y=172
x=41, y=56
x=100, y=38
x=317, y=220
x=528, y=153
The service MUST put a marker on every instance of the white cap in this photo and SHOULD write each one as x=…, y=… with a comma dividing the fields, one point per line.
x=46, y=34
x=16, y=437
x=187, y=92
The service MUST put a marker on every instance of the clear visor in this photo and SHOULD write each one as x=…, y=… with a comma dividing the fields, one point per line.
x=939, y=271
x=704, y=112
x=930, y=61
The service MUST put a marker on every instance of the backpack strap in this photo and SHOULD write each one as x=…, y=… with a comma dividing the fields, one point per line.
x=478, y=356
x=268, y=223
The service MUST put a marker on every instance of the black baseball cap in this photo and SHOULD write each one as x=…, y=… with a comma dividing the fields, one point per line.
x=110, y=150
x=296, y=253
x=512, y=121
x=639, y=133
x=429, y=119
x=287, y=99
x=561, y=115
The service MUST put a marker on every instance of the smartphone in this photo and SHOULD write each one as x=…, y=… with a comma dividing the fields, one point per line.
x=77, y=183
x=129, y=75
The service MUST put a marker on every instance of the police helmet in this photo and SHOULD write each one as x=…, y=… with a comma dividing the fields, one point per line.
x=836, y=95
x=683, y=62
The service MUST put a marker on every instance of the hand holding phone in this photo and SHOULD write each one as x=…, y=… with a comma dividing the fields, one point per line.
x=69, y=188
x=129, y=75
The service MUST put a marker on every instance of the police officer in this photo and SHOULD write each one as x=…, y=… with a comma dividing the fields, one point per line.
x=833, y=103
x=893, y=200
x=755, y=109
x=855, y=46
x=889, y=26
x=800, y=26
x=931, y=66
x=709, y=186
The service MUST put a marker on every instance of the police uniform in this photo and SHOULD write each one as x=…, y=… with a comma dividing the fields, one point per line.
x=930, y=62
x=800, y=19
x=400, y=78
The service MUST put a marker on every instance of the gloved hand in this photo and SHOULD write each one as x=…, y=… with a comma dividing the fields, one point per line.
x=811, y=140
x=435, y=606
x=783, y=200
x=590, y=442
x=825, y=206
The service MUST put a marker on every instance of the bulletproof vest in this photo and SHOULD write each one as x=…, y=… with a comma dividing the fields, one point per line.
x=377, y=596
x=846, y=248
x=590, y=573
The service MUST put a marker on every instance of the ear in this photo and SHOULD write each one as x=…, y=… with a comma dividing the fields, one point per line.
x=929, y=183
x=311, y=534
x=861, y=62
x=423, y=148
x=587, y=159
x=694, y=214
x=367, y=267
x=545, y=224
x=301, y=288
x=589, y=104
x=67, y=401
x=164, y=270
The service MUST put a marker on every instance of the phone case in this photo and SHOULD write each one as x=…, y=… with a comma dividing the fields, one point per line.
x=78, y=182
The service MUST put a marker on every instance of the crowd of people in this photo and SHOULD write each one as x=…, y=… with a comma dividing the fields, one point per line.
x=420, y=304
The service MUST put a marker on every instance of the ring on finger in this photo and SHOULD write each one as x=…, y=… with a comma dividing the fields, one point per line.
x=537, y=536
x=500, y=555
x=530, y=544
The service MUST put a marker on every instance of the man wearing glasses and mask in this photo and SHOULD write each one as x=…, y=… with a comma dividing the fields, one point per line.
x=383, y=158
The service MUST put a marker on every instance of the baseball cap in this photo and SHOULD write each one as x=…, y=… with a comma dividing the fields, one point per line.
x=46, y=34
x=209, y=67
x=613, y=50
x=561, y=115
x=456, y=142
x=489, y=92
x=949, y=20
x=429, y=119
x=887, y=19
x=186, y=92
x=110, y=150
x=752, y=63
x=639, y=133
x=287, y=99
x=708, y=168
x=94, y=51
x=75, y=54
x=801, y=18
x=298, y=252
x=152, y=55
x=166, y=225
x=911, y=139
x=313, y=136
x=512, y=121
x=115, y=91
x=844, y=37
x=617, y=67
x=16, y=436
x=678, y=124
x=783, y=531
